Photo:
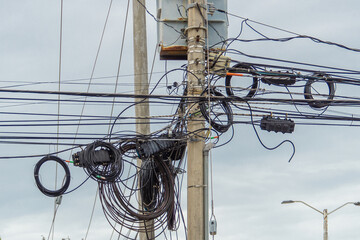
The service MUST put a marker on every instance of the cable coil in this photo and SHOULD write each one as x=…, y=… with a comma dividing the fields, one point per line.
x=47, y=192
x=215, y=111
x=309, y=95
x=241, y=68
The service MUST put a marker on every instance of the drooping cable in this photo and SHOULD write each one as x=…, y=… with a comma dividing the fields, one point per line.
x=317, y=40
x=92, y=213
x=266, y=147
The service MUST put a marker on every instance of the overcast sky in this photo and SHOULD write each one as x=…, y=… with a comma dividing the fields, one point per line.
x=249, y=181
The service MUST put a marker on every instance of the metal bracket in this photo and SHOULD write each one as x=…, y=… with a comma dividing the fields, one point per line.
x=209, y=146
x=197, y=71
x=195, y=27
x=197, y=186
x=211, y=8
x=196, y=46
x=197, y=40
x=196, y=61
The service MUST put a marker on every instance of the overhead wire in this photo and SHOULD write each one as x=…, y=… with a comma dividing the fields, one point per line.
x=263, y=103
x=120, y=60
x=291, y=32
x=94, y=64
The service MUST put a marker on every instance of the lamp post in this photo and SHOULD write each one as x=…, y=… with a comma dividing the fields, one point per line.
x=324, y=213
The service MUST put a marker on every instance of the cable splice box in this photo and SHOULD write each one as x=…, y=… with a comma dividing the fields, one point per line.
x=97, y=157
x=272, y=124
x=167, y=147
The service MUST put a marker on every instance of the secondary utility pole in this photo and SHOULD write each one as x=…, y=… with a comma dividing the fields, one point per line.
x=141, y=86
x=196, y=33
x=324, y=213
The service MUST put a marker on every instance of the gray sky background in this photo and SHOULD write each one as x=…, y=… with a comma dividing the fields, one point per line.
x=249, y=181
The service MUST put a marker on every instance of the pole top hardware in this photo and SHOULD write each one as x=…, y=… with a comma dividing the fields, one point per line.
x=218, y=64
x=211, y=8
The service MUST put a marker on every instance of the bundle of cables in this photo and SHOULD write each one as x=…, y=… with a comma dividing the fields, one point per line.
x=121, y=203
x=216, y=111
x=163, y=146
x=101, y=161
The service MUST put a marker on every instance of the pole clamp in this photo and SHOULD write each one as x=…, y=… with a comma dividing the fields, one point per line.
x=196, y=61
x=197, y=186
x=195, y=27
x=195, y=5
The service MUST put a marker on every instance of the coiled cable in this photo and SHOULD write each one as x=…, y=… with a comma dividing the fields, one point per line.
x=218, y=112
x=241, y=68
x=100, y=160
x=309, y=95
x=44, y=190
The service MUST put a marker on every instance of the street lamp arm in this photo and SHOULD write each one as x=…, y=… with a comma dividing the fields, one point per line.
x=311, y=207
x=340, y=207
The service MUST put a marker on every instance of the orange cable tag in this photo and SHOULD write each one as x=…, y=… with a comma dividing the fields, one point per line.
x=234, y=74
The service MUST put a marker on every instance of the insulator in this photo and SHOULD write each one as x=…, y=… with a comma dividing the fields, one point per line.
x=213, y=227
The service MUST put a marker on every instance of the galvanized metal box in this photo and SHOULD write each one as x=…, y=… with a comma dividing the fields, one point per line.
x=172, y=22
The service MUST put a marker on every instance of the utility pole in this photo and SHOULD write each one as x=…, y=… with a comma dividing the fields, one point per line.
x=324, y=213
x=141, y=86
x=196, y=33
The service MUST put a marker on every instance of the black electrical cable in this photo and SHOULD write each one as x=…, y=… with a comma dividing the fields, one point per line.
x=235, y=51
x=317, y=40
x=266, y=147
x=319, y=77
x=149, y=95
x=48, y=192
x=118, y=207
x=149, y=184
x=211, y=114
x=100, y=160
x=243, y=67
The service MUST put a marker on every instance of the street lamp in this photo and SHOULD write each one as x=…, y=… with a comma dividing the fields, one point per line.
x=324, y=213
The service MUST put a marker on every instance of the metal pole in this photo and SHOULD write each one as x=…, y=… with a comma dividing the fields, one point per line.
x=325, y=214
x=141, y=86
x=206, y=190
x=196, y=33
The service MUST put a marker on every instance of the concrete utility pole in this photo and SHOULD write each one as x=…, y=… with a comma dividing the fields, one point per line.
x=141, y=86
x=196, y=33
x=326, y=233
